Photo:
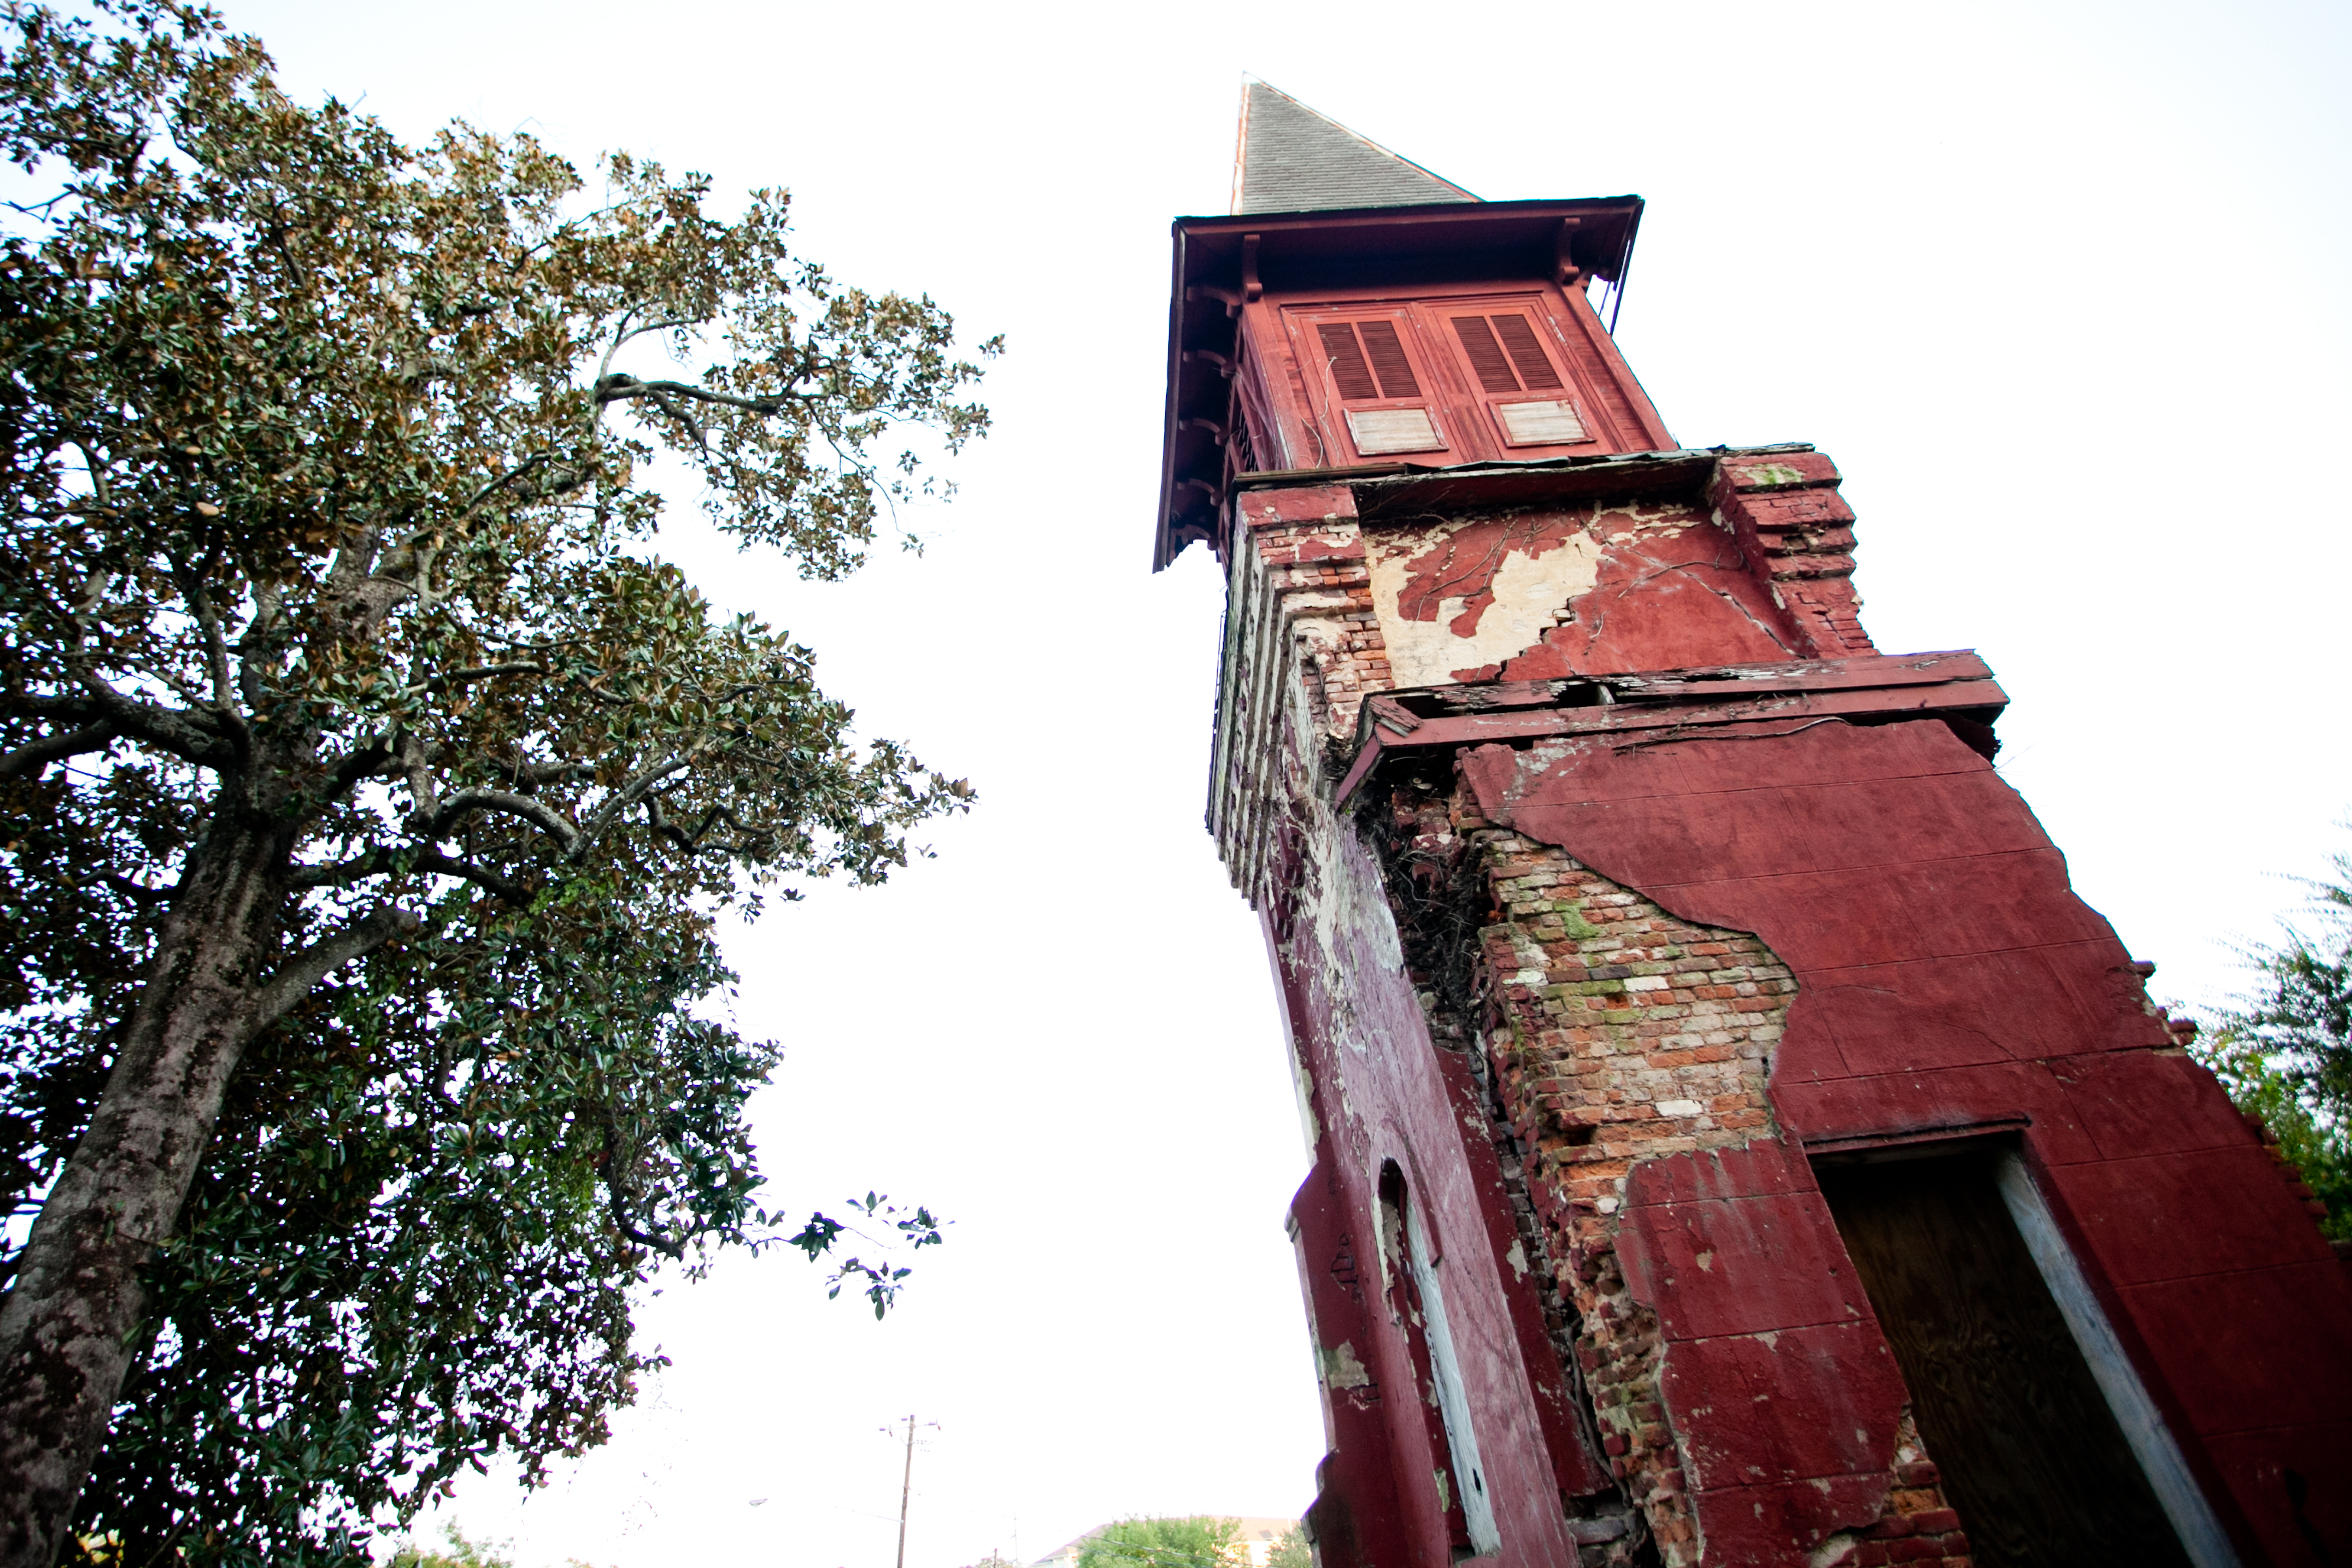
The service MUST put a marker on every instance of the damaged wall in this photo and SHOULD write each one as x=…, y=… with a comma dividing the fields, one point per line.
x=1376, y=1092
x=1601, y=999
x=1614, y=587
x=1948, y=979
x=1621, y=1038
x=1597, y=590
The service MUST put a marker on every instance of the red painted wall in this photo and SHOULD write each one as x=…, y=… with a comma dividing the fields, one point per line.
x=1948, y=977
x=1384, y=1092
x=1947, y=981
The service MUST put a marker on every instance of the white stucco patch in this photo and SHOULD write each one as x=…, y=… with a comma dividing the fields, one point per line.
x=1529, y=593
x=1353, y=925
x=1342, y=1368
x=1357, y=915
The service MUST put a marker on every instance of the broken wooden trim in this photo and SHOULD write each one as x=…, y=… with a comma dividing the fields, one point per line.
x=1952, y=685
x=1932, y=1141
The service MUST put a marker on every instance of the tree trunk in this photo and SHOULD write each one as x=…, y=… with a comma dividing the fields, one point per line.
x=70, y=1326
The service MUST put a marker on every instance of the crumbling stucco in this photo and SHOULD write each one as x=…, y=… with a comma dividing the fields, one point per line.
x=1451, y=598
x=1614, y=1081
x=1536, y=594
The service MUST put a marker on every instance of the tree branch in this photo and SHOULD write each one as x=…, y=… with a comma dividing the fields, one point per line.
x=624, y=330
x=620, y=385
x=447, y=679
x=482, y=877
x=634, y=791
x=513, y=476
x=217, y=661
x=140, y=893
x=373, y=757
x=466, y=802
x=531, y=776
x=431, y=861
x=181, y=734
x=617, y=1195
x=693, y=426
x=29, y=759
x=692, y=840
x=620, y=336
x=668, y=1247
x=322, y=958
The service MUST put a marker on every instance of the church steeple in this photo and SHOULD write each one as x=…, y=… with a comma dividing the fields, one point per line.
x=1704, y=1055
x=1289, y=159
x=1356, y=311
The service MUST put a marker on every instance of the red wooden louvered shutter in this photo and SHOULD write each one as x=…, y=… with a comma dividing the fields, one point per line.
x=1486, y=355
x=1527, y=403
x=1527, y=353
x=1350, y=371
x=1378, y=401
x=1386, y=351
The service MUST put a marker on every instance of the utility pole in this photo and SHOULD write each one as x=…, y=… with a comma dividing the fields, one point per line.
x=906, y=1486
x=906, y=1489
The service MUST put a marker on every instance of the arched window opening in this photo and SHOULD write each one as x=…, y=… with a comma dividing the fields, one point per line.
x=1410, y=1260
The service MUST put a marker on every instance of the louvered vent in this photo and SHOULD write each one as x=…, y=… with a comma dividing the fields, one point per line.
x=1486, y=354
x=1526, y=354
x=1349, y=373
x=1387, y=352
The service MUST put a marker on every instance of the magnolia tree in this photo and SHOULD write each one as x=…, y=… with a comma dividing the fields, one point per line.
x=369, y=788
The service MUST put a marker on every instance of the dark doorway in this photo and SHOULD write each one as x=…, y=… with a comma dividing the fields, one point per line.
x=2031, y=1456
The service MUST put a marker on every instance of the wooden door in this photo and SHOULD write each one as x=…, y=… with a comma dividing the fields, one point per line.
x=2031, y=1457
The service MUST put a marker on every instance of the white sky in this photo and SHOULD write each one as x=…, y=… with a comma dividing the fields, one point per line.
x=2059, y=287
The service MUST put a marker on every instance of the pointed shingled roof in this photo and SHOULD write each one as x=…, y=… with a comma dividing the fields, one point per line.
x=1289, y=159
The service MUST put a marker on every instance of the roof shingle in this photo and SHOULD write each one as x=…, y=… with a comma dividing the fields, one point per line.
x=1290, y=159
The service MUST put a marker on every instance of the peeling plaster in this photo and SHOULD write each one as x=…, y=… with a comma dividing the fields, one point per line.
x=1347, y=908
x=1538, y=595
x=1324, y=614
x=1343, y=1369
x=1508, y=596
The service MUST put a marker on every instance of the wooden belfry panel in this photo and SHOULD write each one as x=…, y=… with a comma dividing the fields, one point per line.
x=2030, y=1455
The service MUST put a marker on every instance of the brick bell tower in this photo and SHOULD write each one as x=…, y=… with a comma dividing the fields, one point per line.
x=1734, y=1141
